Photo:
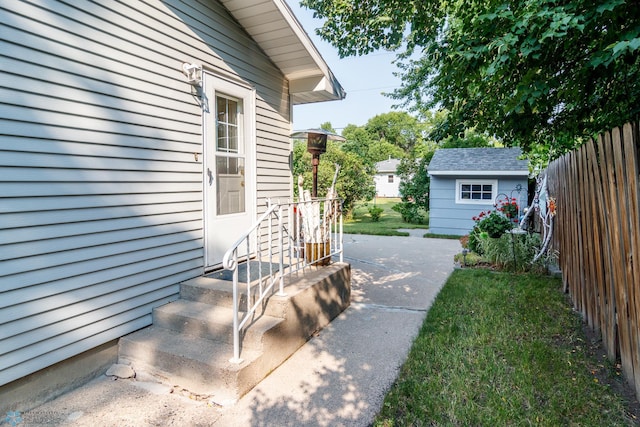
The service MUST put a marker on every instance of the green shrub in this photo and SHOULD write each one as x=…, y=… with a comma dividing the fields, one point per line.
x=489, y=224
x=494, y=223
x=469, y=259
x=375, y=213
x=474, y=240
x=513, y=252
x=410, y=212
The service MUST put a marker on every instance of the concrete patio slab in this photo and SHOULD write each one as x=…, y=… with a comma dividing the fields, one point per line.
x=338, y=378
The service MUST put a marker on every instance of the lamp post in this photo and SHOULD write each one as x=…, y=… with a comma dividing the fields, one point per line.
x=316, y=145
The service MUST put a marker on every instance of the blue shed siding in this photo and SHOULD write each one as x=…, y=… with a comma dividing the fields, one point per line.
x=448, y=217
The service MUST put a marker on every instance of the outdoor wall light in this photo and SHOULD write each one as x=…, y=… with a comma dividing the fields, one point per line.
x=193, y=73
x=316, y=145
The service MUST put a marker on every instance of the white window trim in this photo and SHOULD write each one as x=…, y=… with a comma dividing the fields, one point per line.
x=494, y=191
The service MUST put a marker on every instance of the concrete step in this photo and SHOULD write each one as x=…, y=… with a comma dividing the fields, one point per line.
x=202, y=366
x=210, y=291
x=211, y=322
x=319, y=283
x=190, y=343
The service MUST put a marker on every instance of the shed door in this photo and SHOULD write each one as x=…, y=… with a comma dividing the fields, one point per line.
x=229, y=147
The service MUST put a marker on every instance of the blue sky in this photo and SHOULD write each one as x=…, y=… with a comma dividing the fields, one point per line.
x=363, y=78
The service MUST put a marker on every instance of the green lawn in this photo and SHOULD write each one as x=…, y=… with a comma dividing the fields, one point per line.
x=390, y=220
x=499, y=349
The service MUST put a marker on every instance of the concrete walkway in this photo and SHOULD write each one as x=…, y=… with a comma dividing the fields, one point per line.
x=339, y=378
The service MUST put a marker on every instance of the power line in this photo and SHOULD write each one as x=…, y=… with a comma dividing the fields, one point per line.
x=370, y=89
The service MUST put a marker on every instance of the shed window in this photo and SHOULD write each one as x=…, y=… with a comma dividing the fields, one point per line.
x=390, y=179
x=476, y=191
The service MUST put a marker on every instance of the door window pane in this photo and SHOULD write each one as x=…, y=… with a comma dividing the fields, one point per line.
x=221, y=108
x=223, y=139
x=230, y=168
x=227, y=126
x=230, y=185
x=232, y=108
x=233, y=139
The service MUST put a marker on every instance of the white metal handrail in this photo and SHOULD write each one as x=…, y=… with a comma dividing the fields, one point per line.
x=278, y=238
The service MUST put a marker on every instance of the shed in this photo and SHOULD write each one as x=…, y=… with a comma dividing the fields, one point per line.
x=386, y=179
x=466, y=181
x=119, y=176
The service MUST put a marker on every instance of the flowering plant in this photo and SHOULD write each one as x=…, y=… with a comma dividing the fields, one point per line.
x=493, y=223
x=509, y=207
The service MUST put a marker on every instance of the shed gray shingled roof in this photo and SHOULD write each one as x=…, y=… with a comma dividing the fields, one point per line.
x=478, y=159
x=387, y=165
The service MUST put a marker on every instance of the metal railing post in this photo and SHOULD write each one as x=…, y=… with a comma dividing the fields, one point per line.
x=281, y=249
x=296, y=247
x=236, y=323
x=341, y=237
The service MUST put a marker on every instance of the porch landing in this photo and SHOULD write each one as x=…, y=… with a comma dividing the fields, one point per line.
x=190, y=342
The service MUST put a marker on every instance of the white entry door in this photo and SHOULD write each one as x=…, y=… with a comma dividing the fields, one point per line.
x=229, y=181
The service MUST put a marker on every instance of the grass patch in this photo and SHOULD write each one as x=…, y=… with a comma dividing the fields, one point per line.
x=502, y=349
x=442, y=236
x=361, y=221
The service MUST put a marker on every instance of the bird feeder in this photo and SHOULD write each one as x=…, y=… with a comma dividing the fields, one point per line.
x=316, y=145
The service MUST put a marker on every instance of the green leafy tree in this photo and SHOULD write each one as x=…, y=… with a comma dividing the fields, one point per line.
x=470, y=139
x=358, y=140
x=399, y=128
x=384, y=150
x=395, y=135
x=414, y=181
x=529, y=72
x=425, y=149
x=414, y=188
x=327, y=126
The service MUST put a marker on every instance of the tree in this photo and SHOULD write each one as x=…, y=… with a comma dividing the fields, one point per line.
x=327, y=126
x=398, y=128
x=414, y=181
x=396, y=134
x=367, y=147
x=529, y=72
x=414, y=188
x=470, y=139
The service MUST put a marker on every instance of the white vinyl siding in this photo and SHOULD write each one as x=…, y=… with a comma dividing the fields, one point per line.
x=387, y=185
x=101, y=164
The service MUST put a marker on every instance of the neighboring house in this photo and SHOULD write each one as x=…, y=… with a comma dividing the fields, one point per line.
x=466, y=181
x=386, y=179
x=119, y=178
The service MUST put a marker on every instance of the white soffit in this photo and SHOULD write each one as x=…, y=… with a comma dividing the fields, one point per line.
x=272, y=24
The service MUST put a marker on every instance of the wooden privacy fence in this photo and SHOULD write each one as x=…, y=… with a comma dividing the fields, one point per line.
x=597, y=236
